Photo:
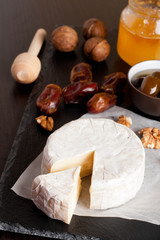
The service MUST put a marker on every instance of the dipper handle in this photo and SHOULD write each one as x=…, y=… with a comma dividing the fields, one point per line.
x=37, y=42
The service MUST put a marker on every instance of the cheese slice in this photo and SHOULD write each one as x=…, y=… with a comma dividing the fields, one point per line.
x=56, y=194
x=110, y=151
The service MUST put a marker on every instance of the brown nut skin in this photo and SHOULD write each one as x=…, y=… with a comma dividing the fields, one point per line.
x=97, y=49
x=94, y=27
x=78, y=92
x=81, y=72
x=64, y=38
x=101, y=102
x=114, y=82
x=49, y=99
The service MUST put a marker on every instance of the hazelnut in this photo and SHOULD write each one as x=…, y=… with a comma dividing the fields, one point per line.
x=64, y=38
x=94, y=27
x=97, y=49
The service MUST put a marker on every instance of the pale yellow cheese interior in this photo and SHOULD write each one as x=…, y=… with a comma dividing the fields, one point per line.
x=85, y=161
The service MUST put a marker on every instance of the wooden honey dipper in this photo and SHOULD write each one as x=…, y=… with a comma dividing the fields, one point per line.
x=26, y=66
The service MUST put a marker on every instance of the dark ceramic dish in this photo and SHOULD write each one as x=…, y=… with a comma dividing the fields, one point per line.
x=147, y=104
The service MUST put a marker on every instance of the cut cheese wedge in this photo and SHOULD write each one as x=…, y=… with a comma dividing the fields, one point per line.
x=111, y=152
x=56, y=194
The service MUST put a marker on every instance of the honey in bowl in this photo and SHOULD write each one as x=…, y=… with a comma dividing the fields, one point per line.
x=139, y=31
x=148, y=84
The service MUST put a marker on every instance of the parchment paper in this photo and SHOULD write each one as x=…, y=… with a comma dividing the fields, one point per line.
x=144, y=207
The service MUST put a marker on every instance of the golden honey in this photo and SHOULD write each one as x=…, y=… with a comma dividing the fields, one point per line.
x=139, y=32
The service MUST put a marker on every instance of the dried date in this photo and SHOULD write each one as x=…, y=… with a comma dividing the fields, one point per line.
x=101, y=102
x=114, y=82
x=77, y=92
x=81, y=72
x=49, y=99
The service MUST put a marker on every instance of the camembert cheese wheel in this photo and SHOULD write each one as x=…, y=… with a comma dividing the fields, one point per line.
x=110, y=151
x=56, y=194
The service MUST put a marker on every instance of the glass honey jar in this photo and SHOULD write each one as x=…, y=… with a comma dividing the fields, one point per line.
x=139, y=31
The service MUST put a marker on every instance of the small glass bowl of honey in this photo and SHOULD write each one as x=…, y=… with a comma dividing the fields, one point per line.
x=139, y=31
x=144, y=86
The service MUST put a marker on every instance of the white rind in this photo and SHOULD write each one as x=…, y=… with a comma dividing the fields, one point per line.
x=119, y=158
x=56, y=194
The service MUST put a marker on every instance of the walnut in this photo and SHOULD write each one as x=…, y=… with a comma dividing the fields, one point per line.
x=127, y=121
x=97, y=49
x=64, y=38
x=45, y=122
x=150, y=137
x=94, y=27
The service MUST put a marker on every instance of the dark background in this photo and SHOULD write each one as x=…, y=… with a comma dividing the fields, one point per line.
x=19, y=19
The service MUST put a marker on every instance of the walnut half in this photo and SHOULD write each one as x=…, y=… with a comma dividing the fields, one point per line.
x=127, y=121
x=150, y=137
x=45, y=122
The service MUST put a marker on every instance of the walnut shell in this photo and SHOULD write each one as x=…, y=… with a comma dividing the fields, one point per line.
x=64, y=38
x=94, y=27
x=97, y=49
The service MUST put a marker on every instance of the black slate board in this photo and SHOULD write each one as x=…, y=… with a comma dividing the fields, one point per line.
x=20, y=215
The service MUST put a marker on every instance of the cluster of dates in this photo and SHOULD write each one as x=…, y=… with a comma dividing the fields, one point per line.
x=82, y=90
